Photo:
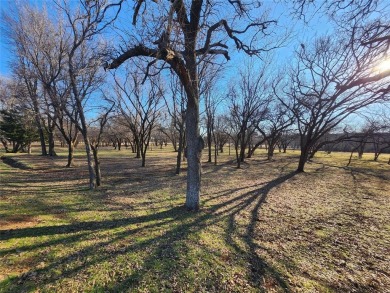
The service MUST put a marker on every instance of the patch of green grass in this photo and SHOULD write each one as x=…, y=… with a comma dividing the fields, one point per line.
x=261, y=228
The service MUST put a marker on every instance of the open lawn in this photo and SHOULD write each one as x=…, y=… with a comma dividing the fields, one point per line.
x=262, y=228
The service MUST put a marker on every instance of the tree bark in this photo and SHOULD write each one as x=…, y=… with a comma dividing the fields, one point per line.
x=179, y=150
x=215, y=154
x=242, y=149
x=270, y=153
x=70, y=154
x=194, y=153
x=52, y=152
x=90, y=160
x=209, y=143
x=40, y=128
x=137, y=148
x=98, y=174
x=237, y=155
x=42, y=141
x=303, y=159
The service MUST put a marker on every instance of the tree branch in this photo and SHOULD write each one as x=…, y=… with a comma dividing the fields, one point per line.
x=363, y=80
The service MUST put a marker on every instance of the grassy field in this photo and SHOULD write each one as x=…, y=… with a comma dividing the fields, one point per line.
x=262, y=228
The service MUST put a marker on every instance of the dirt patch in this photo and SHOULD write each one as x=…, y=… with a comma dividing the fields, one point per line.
x=17, y=222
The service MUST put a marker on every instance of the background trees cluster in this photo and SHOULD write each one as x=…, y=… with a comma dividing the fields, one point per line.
x=81, y=74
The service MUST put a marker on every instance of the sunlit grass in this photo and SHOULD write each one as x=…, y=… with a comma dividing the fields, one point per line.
x=261, y=228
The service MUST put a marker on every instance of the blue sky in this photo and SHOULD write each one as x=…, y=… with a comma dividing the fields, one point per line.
x=301, y=33
x=4, y=51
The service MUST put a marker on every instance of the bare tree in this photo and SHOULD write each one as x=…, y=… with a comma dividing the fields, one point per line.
x=175, y=101
x=219, y=134
x=248, y=103
x=277, y=120
x=286, y=138
x=95, y=139
x=187, y=33
x=330, y=81
x=139, y=104
x=343, y=11
x=82, y=62
x=38, y=57
x=23, y=71
x=116, y=132
x=376, y=133
x=212, y=101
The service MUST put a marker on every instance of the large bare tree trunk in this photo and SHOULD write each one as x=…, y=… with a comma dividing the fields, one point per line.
x=194, y=154
x=303, y=159
x=271, y=150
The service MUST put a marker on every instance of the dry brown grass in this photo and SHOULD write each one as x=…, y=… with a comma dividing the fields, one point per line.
x=261, y=228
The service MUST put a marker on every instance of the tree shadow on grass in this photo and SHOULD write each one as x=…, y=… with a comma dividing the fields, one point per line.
x=253, y=202
x=167, y=244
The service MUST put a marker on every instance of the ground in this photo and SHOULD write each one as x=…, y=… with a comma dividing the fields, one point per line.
x=261, y=228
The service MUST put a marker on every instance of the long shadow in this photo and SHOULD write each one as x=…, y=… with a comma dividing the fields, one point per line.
x=255, y=259
x=170, y=244
x=14, y=163
x=216, y=213
x=360, y=170
x=84, y=226
x=258, y=266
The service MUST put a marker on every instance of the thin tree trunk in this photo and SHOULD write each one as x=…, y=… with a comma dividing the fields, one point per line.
x=70, y=154
x=209, y=145
x=237, y=156
x=90, y=161
x=350, y=158
x=215, y=153
x=249, y=153
x=179, y=151
x=42, y=139
x=97, y=165
x=138, y=149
